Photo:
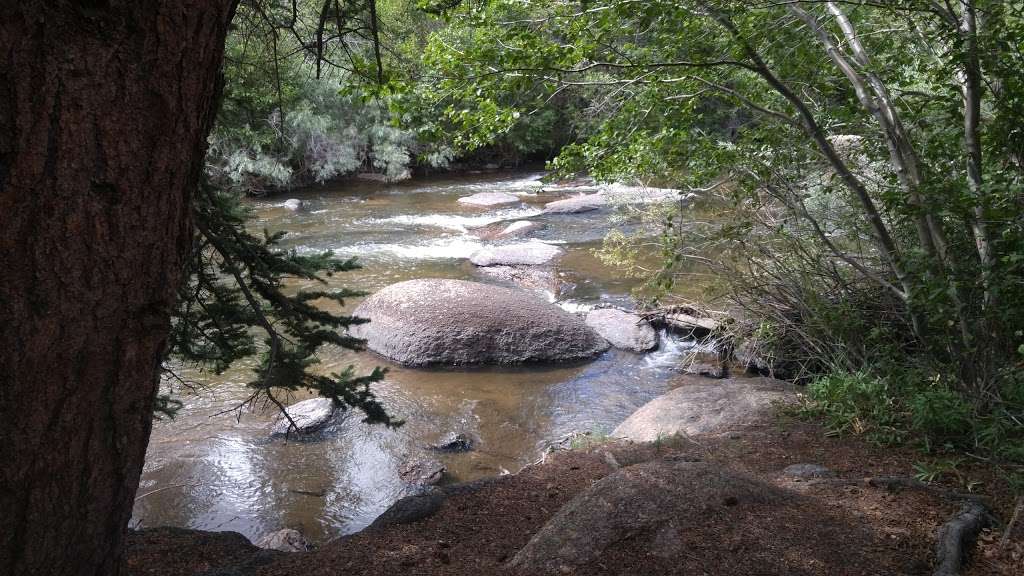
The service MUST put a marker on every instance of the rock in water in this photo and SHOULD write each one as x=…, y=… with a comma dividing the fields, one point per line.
x=309, y=416
x=521, y=254
x=518, y=228
x=647, y=501
x=624, y=330
x=489, y=199
x=454, y=322
x=454, y=443
x=576, y=204
x=286, y=540
x=505, y=231
x=702, y=406
x=294, y=204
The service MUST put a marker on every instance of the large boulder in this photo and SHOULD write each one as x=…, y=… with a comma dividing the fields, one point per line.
x=286, y=540
x=521, y=254
x=705, y=406
x=655, y=502
x=308, y=415
x=488, y=199
x=576, y=204
x=623, y=330
x=431, y=322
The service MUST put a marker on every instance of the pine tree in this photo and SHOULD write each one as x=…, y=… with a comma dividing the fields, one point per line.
x=235, y=290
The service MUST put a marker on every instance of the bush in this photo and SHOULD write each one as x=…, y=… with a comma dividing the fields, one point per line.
x=940, y=414
x=857, y=403
x=904, y=406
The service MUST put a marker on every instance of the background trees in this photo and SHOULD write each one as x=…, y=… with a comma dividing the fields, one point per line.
x=860, y=151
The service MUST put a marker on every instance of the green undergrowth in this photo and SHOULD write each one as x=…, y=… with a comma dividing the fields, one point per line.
x=926, y=412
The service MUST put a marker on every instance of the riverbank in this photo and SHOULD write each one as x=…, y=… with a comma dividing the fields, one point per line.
x=718, y=503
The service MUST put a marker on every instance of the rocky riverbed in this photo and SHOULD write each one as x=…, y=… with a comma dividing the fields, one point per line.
x=532, y=370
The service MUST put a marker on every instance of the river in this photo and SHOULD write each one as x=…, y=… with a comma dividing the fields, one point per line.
x=214, y=471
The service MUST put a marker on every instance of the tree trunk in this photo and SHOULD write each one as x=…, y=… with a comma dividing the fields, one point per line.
x=105, y=106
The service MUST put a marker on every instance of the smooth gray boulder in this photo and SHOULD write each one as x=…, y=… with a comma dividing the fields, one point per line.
x=430, y=322
x=706, y=406
x=487, y=199
x=308, y=415
x=521, y=254
x=294, y=204
x=623, y=330
x=653, y=501
x=576, y=204
x=286, y=540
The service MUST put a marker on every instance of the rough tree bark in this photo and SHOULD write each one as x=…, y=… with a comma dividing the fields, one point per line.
x=105, y=106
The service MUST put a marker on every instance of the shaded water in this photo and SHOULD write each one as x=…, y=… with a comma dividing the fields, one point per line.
x=214, y=471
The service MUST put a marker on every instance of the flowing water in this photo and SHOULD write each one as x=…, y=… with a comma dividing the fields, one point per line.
x=214, y=471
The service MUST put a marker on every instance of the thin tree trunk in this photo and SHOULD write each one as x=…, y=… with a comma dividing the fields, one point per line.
x=886, y=243
x=874, y=98
x=104, y=111
x=971, y=88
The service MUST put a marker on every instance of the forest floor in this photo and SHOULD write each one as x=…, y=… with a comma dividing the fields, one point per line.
x=837, y=525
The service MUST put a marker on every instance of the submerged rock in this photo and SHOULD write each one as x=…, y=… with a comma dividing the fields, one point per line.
x=623, y=330
x=521, y=254
x=489, y=199
x=454, y=322
x=654, y=501
x=294, y=204
x=454, y=443
x=702, y=406
x=576, y=204
x=286, y=540
x=309, y=415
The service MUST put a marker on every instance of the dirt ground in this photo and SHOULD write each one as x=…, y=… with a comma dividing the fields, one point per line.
x=839, y=525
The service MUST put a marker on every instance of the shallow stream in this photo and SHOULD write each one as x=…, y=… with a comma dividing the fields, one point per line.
x=216, y=471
